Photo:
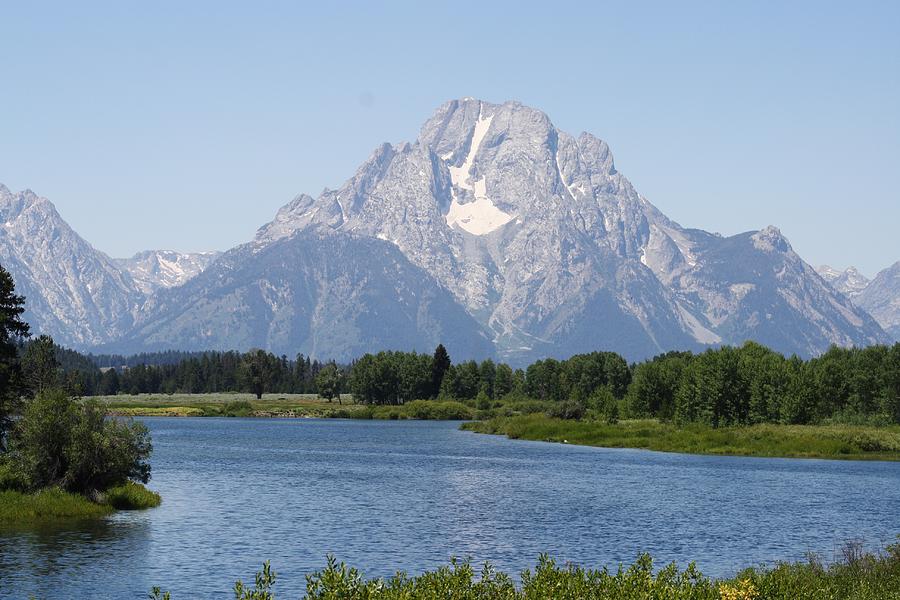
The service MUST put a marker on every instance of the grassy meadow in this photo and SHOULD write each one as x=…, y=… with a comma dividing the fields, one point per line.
x=769, y=440
x=223, y=405
x=277, y=406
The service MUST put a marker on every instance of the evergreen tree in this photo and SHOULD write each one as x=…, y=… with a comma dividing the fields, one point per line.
x=440, y=363
x=40, y=366
x=12, y=330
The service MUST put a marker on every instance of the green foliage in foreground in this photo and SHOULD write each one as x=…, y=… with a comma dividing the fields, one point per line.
x=54, y=504
x=799, y=441
x=858, y=577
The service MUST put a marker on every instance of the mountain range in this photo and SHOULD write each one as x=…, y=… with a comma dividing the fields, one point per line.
x=880, y=296
x=494, y=232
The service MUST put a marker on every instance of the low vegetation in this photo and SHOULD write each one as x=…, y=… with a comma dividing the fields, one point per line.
x=65, y=459
x=46, y=505
x=772, y=440
x=53, y=504
x=131, y=496
x=60, y=457
x=859, y=576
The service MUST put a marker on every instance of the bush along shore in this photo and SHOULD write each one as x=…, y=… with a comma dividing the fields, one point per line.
x=66, y=460
x=858, y=576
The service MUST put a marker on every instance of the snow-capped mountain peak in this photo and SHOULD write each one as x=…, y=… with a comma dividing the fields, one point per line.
x=155, y=269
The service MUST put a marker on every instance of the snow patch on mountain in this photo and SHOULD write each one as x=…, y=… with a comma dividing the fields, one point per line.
x=479, y=216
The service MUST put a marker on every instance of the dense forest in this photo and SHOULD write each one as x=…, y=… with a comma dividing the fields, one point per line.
x=178, y=372
x=719, y=387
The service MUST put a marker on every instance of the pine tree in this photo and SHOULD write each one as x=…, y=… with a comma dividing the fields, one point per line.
x=12, y=330
x=440, y=363
x=40, y=365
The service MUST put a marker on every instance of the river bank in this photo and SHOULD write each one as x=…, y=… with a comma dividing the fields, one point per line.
x=767, y=440
x=54, y=504
x=278, y=406
x=849, y=442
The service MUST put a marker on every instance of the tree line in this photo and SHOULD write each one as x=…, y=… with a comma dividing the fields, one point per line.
x=195, y=373
x=722, y=386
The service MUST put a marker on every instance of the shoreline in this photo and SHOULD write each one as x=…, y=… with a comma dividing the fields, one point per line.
x=815, y=442
x=826, y=442
x=53, y=505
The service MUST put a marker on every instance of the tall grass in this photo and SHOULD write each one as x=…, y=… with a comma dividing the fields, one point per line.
x=55, y=504
x=859, y=577
x=50, y=504
x=132, y=496
x=798, y=441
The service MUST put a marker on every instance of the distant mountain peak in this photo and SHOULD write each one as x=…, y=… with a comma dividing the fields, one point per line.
x=500, y=231
x=534, y=230
x=849, y=282
x=881, y=297
x=152, y=270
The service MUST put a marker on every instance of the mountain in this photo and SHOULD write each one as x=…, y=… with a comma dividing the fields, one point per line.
x=74, y=292
x=154, y=269
x=882, y=299
x=494, y=233
x=318, y=292
x=531, y=232
x=849, y=282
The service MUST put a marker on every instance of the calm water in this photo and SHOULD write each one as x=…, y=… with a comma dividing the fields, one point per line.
x=407, y=495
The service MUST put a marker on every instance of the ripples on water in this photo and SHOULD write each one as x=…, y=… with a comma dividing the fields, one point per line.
x=387, y=496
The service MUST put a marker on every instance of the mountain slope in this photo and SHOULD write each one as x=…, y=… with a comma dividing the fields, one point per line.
x=495, y=233
x=882, y=299
x=155, y=269
x=318, y=292
x=849, y=282
x=546, y=244
x=73, y=292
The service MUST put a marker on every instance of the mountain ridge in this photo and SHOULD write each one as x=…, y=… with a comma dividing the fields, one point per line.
x=533, y=233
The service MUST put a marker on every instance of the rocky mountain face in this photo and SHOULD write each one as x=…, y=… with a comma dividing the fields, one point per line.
x=318, y=292
x=553, y=251
x=849, y=282
x=497, y=234
x=881, y=298
x=152, y=270
x=74, y=292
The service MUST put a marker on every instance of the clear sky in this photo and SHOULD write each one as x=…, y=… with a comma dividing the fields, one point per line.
x=185, y=125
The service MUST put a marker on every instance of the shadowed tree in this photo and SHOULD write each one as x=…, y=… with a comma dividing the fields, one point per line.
x=40, y=366
x=255, y=372
x=440, y=363
x=12, y=330
x=328, y=382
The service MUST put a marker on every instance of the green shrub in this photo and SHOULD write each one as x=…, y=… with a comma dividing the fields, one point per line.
x=60, y=442
x=238, y=408
x=132, y=496
x=446, y=410
x=11, y=478
x=568, y=410
x=859, y=576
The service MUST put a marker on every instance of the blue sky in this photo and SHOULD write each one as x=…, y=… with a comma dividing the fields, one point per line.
x=185, y=125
